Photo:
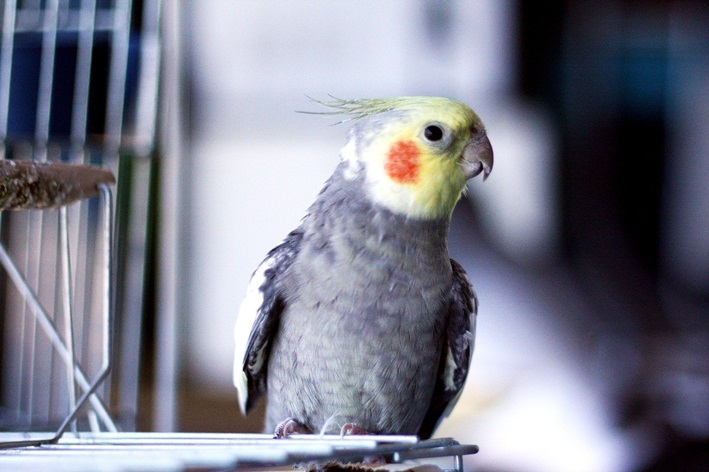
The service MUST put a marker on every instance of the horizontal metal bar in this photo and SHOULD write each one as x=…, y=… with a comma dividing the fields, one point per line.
x=176, y=451
x=81, y=439
x=142, y=438
x=457, y=450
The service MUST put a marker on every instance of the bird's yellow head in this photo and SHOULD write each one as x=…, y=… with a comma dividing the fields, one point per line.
x=417, y=153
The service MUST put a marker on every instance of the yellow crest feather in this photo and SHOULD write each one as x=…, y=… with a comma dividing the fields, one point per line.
x=365, y=107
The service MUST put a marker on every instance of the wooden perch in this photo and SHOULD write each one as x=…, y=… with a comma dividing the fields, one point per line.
x=30, y=185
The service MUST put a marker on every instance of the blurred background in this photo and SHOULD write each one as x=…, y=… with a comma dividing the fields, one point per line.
x=588, y=245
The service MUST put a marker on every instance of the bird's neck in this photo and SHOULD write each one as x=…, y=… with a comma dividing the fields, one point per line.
x=345, y=207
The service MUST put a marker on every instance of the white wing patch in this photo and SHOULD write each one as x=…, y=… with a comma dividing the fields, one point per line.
x=471, y=334
x=451, y=366
x=248, y=312
x=449, y=372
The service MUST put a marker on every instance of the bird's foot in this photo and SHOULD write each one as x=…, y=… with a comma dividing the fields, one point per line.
x=352, y=429
x=289, y=426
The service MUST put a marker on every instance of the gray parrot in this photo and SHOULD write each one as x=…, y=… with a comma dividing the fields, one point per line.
x=359, y=320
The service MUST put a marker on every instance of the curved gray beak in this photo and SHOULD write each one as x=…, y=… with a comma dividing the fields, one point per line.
x=477, y=157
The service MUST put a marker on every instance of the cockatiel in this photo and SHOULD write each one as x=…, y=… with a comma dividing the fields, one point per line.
x=359, y=320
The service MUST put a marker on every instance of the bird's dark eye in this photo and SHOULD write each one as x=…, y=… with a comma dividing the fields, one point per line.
x=433, y=133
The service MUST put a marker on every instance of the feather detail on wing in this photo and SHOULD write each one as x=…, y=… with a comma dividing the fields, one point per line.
x=258, y=321
x=458, y=351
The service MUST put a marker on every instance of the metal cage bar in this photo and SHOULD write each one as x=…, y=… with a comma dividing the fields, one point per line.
x=89, y=74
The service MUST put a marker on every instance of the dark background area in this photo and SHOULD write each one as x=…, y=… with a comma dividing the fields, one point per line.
x=610, y=71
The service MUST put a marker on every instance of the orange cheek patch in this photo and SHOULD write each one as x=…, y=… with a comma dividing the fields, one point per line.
x=402, y=163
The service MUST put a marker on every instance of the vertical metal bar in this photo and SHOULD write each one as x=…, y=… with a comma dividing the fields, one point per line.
x=128, y=358
x=171, y=176
x=8, y=38
x=80, y=101
x=107, y=267
x=117, y=76
x=28, y=328
x=82, y=79
x=146, y=108
x=46, y=74
x=106, y=312
x=68, y=309
x=108, y=299
x=31, y=333
x=458, y=463
x=80, y=105
x=49, y=14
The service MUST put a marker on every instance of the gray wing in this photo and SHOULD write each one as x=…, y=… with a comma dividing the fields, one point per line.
x=259, y=319
x=458, y=351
